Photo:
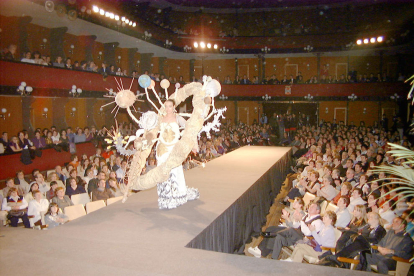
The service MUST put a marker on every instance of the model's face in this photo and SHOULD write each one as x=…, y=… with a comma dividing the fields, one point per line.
x=169, y=107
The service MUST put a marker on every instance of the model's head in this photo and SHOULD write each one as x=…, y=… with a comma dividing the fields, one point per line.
x=169, y=106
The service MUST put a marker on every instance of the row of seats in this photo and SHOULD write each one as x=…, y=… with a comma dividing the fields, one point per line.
x=80, y=209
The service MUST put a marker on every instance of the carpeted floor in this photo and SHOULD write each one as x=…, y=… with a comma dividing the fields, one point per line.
x=136, y=238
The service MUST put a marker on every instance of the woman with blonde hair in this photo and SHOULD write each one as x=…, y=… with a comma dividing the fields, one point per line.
x=358, y=225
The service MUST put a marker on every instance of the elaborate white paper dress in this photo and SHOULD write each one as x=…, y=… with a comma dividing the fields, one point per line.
x=173, y=192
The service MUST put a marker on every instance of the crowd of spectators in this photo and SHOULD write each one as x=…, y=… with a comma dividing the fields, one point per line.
x=334, y=163
x=90, y=66
x=334, y=166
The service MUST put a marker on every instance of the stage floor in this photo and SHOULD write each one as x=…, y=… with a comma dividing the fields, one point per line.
x=136, y=238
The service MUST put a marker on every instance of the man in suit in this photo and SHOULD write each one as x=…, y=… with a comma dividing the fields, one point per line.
x=245, y=80
x=104, y=70
x=395, y=243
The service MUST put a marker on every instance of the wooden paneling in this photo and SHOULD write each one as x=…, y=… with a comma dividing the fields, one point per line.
x=40, y=118
x=13, y=120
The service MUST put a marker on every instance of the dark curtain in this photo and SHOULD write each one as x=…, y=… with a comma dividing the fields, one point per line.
x=232, y=229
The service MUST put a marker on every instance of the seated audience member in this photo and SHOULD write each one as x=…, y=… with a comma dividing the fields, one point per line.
x=120, y=173
x=16, y=206
x=33, y=187
x=4, y=140
x=386, y=212
x=51, y=193
x=60, y=174
x=313, y=185
x=343, y=217
x=93, y=183
x=44, y=186
x=10, y=184
x=395, y=243
x=74, y=162
x=74, y=174
x=61, y=199
x=151, y=164
x=292, y=219
x=22, y=181
x=345, y=190
x=54, y=177
x=114, y=187
x=74, y=188
x=38, y=141
x=325, y=237
x=290, y=236
x=37, y=207
x=28, y=58
x=80, y=137
x=327, y=191
x=101, y=193
x=358, y=243
x=356, y=199
x=14, y=145
x=54, y=216
x=357, y=225
x=59, y=62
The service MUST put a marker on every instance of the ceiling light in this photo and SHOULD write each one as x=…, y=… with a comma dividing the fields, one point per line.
x=106, y=14
x=195, y=45
x=127, y=20
x=102, y=12
x=380, y=39
x=112, y=16
x=209, y=45
x=373, y=40
x=366, y=41
x=130, y=23
x=123, y=18
x=215, y=46
x=95, y=8
x=116, y=17
x=359, y=41
x=133, y=25
x=202, y=45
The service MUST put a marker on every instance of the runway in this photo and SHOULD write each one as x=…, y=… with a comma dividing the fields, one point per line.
x=136, y=238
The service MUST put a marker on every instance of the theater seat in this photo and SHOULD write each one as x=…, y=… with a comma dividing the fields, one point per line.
x=307, y=198
x=94, y=206
x=109, y=201
x=81, y=199
x=75, y=211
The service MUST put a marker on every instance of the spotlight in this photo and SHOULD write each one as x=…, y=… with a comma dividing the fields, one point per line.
x=127, y=21
x=366, y=41
x=112, y=16
x=135, y=24
x=106, y=14
x=373, y=40
x=123, y=18
x=202, y=45
x=380, y=39
x=117, y=17
x=195, y=45
x=101, y=12
x=215, y=46
x=95, y=9
x=209, y=45
x=130, y=23
x=359, y=41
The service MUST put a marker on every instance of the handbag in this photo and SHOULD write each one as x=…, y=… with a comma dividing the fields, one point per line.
x=17, y=213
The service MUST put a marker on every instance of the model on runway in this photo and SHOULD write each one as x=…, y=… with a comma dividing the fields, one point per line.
x=171, y=151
